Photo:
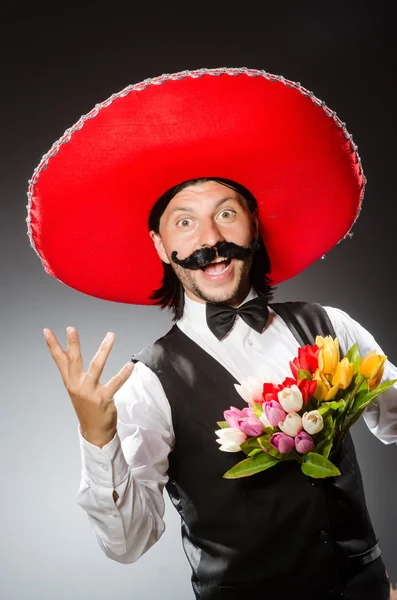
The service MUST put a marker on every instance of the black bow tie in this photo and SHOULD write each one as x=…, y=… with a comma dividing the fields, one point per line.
x=221, y=317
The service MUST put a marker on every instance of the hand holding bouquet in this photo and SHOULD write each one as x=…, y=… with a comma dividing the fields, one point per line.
x=306, y=417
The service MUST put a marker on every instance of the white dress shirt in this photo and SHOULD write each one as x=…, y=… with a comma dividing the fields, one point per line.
x=135, y=462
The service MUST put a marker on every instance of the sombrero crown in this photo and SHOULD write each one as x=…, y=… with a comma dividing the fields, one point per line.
x=90, y=196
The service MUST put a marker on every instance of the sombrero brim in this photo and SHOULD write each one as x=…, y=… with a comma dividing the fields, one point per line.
x=90, y=196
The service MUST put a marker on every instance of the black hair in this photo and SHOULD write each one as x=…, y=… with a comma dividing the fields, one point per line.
x=171, y=292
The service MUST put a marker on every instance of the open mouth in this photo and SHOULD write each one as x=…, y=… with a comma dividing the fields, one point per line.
x=217, y=267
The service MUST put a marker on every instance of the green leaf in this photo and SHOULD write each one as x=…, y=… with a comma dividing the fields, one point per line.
x=340, y=417
x=302, y=374
x=324, y=447
x=255, y=451
x=257, y=406
x=350, y=420
x=362, y=400
x=249, y=445
x=319, y=467
x=332, y=406
x=271, y=430
x=364, y=397
x=222, y=424
x=353, y=355
x=328, y=428
x=267, y=447
x=250, y=466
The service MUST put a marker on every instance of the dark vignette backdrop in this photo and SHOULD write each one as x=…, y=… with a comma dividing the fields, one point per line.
x=54, y=67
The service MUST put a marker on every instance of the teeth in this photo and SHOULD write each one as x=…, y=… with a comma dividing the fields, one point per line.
x=219, y=259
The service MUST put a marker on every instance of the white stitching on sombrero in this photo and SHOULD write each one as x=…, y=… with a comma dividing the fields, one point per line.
x=233, y=71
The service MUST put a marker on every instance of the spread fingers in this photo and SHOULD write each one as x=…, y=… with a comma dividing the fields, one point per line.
x=57, y=353
x=98, y=362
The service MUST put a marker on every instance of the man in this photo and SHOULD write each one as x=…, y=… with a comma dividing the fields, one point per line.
x=277, y=533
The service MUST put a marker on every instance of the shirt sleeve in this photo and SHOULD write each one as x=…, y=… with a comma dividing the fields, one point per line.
x=134, y=464
x=381, y=415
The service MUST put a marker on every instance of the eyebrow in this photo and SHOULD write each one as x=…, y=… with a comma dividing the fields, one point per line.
x=221, y=201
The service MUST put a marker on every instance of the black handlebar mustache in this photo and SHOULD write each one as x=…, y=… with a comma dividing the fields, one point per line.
x=204, y=256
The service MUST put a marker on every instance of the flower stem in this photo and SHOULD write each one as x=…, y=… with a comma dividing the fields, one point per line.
x=356, y=388
x=349, y=404
x=297, y=456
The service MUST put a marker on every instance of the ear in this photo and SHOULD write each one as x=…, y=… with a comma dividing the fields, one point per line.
x=255, y=225
x=158, y=244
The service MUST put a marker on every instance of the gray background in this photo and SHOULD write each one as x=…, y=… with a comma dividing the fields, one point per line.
x=54, y=68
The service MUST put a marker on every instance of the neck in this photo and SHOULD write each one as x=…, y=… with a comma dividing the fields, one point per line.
x=240, y=296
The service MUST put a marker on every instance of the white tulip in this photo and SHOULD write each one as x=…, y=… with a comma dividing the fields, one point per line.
x=230, y=439
x=267, y=374
x=250, y=389
x=312, y=422
x=291, y=399
x=292, y=424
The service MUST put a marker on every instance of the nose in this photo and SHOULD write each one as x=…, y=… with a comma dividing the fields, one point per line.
x=209, y=234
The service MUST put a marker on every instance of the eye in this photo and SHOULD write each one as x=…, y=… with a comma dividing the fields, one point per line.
x=185, y=222
x=226, y=214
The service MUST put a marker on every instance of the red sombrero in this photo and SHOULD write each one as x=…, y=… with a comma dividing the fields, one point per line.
x=91, y=194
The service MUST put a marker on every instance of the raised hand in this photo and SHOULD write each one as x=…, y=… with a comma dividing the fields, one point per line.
x=393, y=592
x=92, y=401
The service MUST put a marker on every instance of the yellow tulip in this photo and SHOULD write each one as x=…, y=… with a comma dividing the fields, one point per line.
x=344, y=374
x=372, y=364
x=332, y=393
x=323, y=390
x=373, y=383
x=328, y=357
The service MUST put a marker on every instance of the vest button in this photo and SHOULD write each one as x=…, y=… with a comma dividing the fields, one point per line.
x=335, y=593
x=323, y=536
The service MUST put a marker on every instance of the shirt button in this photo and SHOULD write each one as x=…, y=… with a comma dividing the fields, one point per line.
x=323, y=536
x=250, y=342
x=105, y=467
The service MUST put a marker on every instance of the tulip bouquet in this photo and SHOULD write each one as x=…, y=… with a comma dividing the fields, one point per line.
x=306, y=417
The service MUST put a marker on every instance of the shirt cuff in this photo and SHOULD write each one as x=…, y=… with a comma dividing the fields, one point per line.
x=104, y=466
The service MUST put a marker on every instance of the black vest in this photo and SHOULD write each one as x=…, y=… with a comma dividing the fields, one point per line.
x=275, y=535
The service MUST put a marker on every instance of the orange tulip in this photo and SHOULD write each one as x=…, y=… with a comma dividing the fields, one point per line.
x=373, y=383
x=344, y=374
x=372, y=364
x=328, y=357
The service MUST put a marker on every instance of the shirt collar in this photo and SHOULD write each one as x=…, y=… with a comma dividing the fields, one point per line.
x=194, y=312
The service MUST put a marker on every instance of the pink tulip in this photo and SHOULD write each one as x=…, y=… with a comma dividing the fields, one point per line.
x=274, y=412
x=244, y=420
x=304, y=442
x=251, y=426
x=282, y=442
x=233, y=415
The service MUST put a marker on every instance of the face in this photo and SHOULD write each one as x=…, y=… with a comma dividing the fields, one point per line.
x=199, y=216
